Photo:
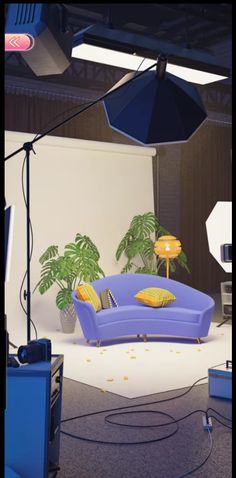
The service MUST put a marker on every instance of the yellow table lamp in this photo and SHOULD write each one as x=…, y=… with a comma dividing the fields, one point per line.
x=167, y=247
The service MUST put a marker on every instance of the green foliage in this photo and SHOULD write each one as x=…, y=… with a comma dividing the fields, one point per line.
x=78, y=263
x=139, y=241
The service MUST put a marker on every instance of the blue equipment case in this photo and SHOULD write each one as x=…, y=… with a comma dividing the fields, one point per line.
x=32, y=418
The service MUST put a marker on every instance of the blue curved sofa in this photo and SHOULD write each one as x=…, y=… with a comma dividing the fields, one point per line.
x=188, y=316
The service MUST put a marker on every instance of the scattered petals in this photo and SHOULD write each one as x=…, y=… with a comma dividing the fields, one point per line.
x=133, y=357
x=110, y=379
x=125, y=378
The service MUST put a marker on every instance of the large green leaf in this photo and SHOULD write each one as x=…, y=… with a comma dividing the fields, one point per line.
x=63, y=298
x=123, y=244
x=182, y=260
x=50, y=252
x=143, y=225
x=45, y=283
x=84, y=242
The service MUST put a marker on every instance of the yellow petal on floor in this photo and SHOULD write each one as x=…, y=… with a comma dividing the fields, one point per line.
x=125, y=378
x=128, y=352
x=103, y=390
x=133, y=357
x=147, y=350
x=101, y=353
x=104, y=350
x=88, y=360
x=110, y=379
x=177, y=352
x=222, y=334
x=131, y=350
x=171, y=350
x=198, y=350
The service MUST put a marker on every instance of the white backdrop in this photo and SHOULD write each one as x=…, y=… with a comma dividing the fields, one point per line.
x=90, y=187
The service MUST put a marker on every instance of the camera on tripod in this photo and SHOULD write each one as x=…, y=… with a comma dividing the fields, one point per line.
x=36, y=351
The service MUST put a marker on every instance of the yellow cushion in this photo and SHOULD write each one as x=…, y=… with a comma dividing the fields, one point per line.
x=155, y=297
x=87, y=293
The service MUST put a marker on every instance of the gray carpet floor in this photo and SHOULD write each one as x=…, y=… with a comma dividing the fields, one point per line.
x=171, y=457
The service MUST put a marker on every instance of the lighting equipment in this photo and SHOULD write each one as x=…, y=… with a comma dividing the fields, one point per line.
x=122, y=49
x=219, y=234
x=46, y=23
x=159, y=108
x=28, y=147
x=167, y=247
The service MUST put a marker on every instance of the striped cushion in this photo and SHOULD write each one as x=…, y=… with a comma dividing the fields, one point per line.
x=155, y=297
x=87, y=293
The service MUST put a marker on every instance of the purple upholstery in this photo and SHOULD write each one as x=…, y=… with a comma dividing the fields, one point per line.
x=188, y=316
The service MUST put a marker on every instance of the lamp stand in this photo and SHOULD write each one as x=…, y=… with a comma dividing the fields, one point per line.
x=167, y=267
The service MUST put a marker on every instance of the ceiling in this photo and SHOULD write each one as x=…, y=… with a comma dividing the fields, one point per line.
x=201, y=26
x=206, y=27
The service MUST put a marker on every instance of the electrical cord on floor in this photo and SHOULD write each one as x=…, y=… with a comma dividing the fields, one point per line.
x=31, y=251
x=173, y=421
x=134, y=406
x=203, y=462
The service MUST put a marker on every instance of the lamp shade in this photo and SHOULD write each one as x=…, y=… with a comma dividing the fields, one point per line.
x=154, y=110
x=167, y=247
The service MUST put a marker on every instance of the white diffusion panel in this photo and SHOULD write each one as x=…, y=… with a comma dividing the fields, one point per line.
x=93, y=188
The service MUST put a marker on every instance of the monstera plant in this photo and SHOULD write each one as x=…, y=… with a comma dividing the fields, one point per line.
x=79, y=262
x=139, y=241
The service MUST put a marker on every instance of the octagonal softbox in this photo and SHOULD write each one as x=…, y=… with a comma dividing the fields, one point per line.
x=155, y=110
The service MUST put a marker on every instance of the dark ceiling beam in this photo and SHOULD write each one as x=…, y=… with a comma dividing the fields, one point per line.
x=210, y=11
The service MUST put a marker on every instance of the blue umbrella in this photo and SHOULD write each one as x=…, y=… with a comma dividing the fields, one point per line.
x=155, y=108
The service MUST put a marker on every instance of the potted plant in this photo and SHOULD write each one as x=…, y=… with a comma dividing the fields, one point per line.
x=139, y=242
x=80, y=262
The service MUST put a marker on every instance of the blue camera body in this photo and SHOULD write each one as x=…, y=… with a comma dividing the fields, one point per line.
x=36, y=351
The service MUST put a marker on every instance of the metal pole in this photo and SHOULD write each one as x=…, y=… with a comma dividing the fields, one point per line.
x=27, y=294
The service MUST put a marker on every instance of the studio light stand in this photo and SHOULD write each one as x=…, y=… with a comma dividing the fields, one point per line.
x=28, y=147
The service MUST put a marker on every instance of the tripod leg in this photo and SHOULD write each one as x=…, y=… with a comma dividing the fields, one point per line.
x=224, y=322
x=12, y=345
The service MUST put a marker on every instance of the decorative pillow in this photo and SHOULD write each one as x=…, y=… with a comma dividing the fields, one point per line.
x=155, y=297
x=108, y=299
x=87, y=293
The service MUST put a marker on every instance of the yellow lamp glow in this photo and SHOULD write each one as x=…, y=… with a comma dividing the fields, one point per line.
x=167, y=247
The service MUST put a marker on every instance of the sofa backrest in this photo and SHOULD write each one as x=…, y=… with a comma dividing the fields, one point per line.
x=125, y=286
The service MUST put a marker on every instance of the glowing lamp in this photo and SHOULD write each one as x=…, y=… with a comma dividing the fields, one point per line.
x=167, y=247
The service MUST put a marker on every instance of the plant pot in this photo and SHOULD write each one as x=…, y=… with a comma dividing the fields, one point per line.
x=68, y=319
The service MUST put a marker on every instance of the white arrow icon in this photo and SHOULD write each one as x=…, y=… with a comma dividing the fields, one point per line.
x=14, y=42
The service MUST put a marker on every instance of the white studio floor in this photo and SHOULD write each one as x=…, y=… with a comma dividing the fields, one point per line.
x=133, y=368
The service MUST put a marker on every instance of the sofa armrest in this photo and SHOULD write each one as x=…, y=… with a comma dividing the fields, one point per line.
x=87, y=317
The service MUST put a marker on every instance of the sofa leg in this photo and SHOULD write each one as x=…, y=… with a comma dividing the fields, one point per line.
x=199, y=341
x=98, y=343
x=138, y=335
x=87, y=341
x=145, y=337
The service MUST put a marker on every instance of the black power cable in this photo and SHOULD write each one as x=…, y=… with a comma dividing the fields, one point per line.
x=108, y=419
